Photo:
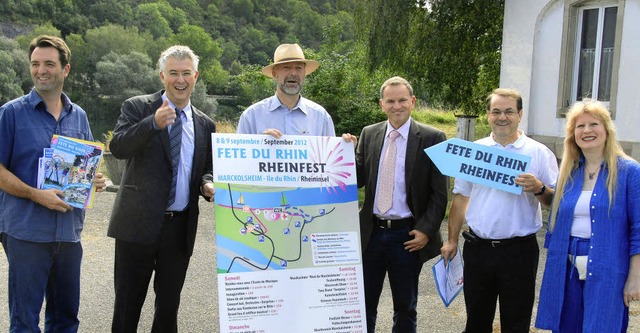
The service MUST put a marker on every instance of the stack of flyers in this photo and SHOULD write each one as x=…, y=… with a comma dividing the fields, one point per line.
x=70, y=165
x=43, y=165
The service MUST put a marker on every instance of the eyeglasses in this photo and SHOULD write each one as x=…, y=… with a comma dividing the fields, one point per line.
x=508, y=113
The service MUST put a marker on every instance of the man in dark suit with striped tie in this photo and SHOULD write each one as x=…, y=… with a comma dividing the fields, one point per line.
x=167, y=144
x=404, y=204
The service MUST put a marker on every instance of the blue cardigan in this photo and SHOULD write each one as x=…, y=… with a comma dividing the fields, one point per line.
x=615, y=237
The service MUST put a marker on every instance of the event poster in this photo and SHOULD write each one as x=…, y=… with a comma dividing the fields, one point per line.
x=287, y=234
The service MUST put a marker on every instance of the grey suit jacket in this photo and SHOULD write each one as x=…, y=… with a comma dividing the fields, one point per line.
x=138, y=210
x=426, y=187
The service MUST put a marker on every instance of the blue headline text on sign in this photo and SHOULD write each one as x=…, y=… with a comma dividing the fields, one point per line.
x=485, y=165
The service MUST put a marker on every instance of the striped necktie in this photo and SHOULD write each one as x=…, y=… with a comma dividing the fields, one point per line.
x=175, y=141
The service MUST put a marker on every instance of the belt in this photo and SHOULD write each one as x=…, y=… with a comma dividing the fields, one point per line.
x=472, y=238
x=393, y=224
x=175, y=214
x=579, y=246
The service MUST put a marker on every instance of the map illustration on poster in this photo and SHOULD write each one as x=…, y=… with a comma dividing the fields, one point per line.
x=287, y=234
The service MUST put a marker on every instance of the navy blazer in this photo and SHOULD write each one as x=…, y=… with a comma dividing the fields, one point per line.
x=426, y=187
x=138, y=211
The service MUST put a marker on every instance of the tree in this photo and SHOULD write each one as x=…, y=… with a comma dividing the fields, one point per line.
x=199, y=41
x=450, y=50
x=250, y=86
x=102, y=12
x=62, y=14
x=114, y=38
x=15, y=79
x=339, y=33
x=176, y=17
x=44, y=29
x=140, y=75
x=307, y=24
x=211, y=72
x=87, y=50
x=277, y=25
x=15, y=10
x=9, y=89
x=216, y=76
x=347, y=90
x=384, y=26
x=226, y=34
x=456, y=51
x=150, y=19
x=188, y=8
x=242, y=9
x=118, y=77
x=257, y=45
x=202, y=101
x=230, y=52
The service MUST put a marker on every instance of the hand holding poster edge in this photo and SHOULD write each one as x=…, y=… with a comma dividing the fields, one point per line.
x=484, y=165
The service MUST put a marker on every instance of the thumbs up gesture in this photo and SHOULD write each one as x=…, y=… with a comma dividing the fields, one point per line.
x=165, y=115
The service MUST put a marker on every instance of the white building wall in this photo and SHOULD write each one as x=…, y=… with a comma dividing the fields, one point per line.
x=531, y=48
x=628, y=109
x=517, y=49
x=545, y=72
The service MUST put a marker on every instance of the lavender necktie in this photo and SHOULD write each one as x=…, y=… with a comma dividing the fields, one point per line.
x=387, y=174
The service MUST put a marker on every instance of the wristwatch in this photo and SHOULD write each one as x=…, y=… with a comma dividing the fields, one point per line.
x=542, y=190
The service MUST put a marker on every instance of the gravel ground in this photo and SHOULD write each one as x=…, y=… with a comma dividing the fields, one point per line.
x=199, y=311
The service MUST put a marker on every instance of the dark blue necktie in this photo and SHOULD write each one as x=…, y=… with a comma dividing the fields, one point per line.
x=175, y=141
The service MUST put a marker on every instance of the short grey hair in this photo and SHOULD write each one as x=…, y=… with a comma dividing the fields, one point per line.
x=394, y=81
x=179, y=52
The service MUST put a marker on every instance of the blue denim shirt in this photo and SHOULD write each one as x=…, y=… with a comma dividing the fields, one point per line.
x=26, y=128
x=615, y=237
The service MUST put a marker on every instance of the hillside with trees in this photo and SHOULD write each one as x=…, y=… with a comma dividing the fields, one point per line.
x=449, y=50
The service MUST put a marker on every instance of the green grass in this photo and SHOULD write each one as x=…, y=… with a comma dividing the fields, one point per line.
x=446, y=122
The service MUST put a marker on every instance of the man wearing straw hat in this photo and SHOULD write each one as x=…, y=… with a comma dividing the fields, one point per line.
x=287, y=112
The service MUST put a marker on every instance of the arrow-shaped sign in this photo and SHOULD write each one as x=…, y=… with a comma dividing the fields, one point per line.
x=484, y=165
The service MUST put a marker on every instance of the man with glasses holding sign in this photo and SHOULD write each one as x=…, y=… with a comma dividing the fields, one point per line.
x=501, y=251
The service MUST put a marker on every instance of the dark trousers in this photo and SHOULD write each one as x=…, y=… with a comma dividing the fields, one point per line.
x=38, y=271
x=506, y=272
x=134, y=265
x=384, y=254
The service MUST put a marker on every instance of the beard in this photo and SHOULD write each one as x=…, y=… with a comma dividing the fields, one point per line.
x=291, y=90
x=295, y=90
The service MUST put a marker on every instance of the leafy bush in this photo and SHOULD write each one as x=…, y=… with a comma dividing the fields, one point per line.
x=248, y=87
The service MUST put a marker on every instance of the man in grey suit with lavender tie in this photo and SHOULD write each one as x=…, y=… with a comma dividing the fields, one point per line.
x=155, y=214
x=404, y=205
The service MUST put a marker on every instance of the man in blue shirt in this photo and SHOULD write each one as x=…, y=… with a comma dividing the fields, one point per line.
x=287, y=112
x=41, y=232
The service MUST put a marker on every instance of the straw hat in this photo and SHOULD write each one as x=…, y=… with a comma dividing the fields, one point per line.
x=290, y=53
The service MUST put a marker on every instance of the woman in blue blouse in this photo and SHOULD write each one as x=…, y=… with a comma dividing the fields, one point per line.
x=592, y=271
